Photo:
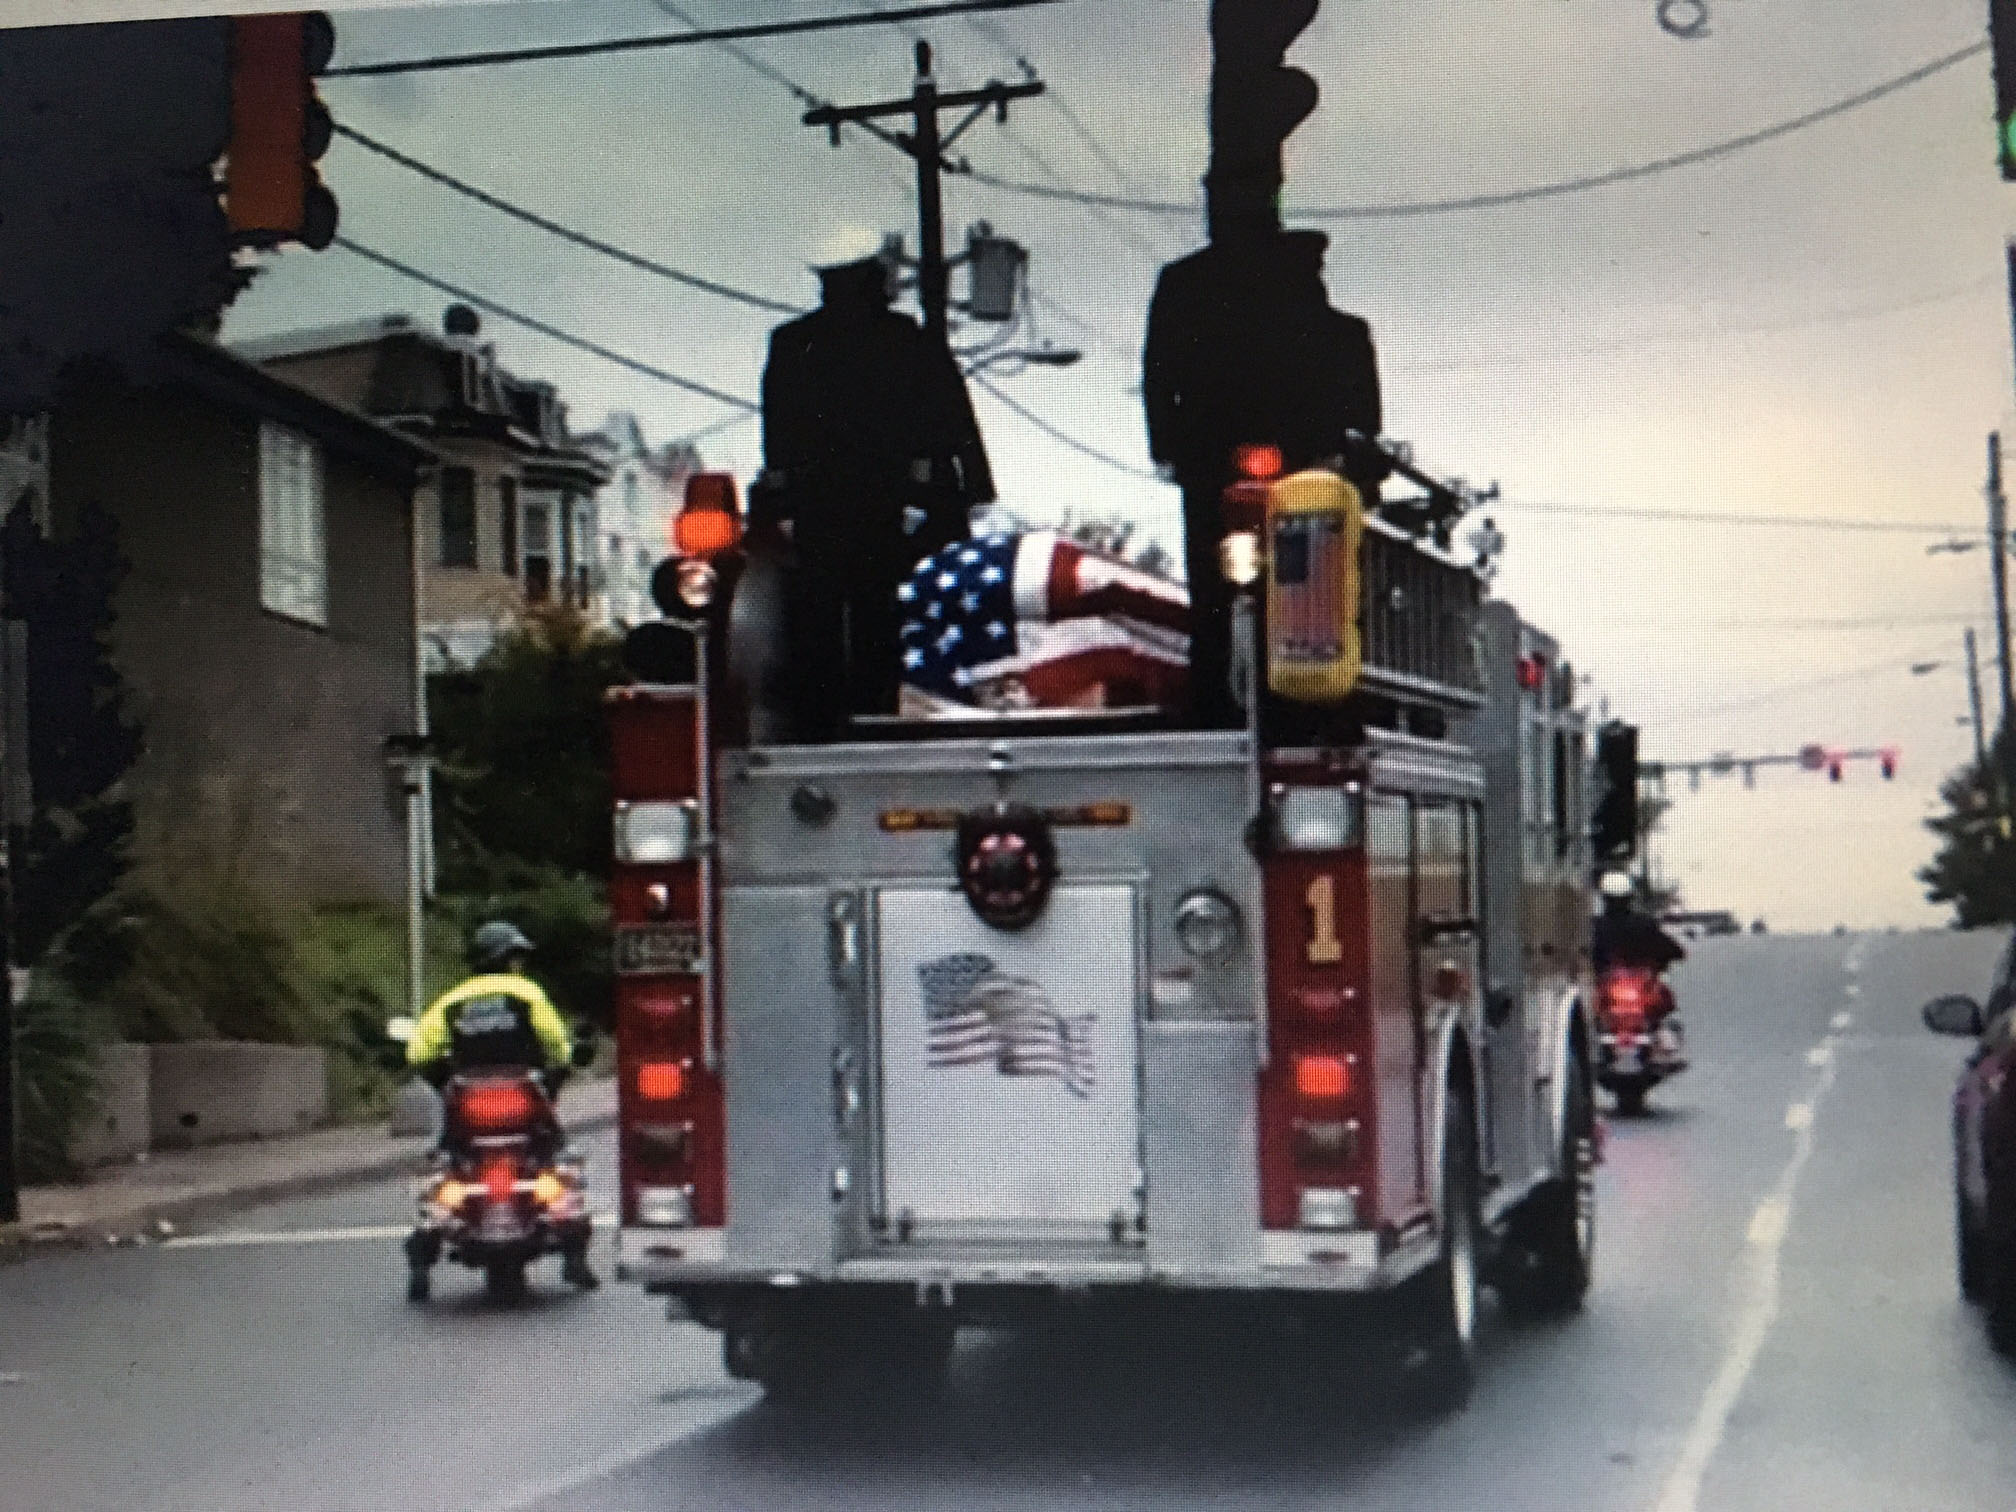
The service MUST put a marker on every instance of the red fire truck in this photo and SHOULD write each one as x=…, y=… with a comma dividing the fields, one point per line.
x=962, y=1020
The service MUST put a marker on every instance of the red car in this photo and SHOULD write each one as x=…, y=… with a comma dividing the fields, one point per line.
x=1984, y=1147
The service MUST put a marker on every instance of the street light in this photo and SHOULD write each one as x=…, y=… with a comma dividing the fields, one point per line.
x=1043, y=356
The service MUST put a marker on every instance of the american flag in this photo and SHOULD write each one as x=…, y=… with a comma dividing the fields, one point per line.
x=1044, y=616
x=977, y=1015
x=1308, y=552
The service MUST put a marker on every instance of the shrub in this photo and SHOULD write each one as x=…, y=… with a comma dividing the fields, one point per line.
x=567, y=917
x=56, y=1049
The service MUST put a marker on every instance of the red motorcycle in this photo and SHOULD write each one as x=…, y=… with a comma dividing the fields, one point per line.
x=503, y=1191
x=1639, y=1041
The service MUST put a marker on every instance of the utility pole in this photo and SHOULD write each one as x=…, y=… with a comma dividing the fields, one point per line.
x=1998, y=570
x=1974, y=700
x=927, y=145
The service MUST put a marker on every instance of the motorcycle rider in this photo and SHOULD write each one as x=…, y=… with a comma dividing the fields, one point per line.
x=1623, y=937
x=496, y=1018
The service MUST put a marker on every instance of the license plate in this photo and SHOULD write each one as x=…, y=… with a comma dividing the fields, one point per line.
x=500, y=1223
x=658, y=947
x=1625, y=1060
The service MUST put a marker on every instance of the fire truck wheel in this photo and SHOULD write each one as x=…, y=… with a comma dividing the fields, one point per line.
x=1445, y=1328
x=1551, y=1251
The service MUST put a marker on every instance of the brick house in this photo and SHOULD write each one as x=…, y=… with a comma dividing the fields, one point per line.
x=266, y=626
x=510, y=520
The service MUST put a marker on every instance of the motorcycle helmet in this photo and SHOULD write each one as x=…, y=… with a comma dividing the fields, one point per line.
x=495, y=943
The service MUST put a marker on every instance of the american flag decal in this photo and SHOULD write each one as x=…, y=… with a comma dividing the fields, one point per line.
x=976, y=1015
x=1307, y=574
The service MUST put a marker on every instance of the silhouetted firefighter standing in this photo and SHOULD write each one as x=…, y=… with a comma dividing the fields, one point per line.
x=872, y=455
x=1243, y=346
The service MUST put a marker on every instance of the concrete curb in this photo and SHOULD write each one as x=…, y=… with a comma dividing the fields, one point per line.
x=140, y=1222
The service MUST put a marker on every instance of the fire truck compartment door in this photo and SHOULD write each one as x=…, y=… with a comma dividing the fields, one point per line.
x=1010, y=1066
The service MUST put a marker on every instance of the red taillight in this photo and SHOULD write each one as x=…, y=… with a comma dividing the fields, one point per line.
x=661, y=1081
x=496, y=1105
x=1322, y=1076
x=500, y=1180
x=1260, y=459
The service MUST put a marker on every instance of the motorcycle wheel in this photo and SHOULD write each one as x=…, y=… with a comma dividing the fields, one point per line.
x=504, y=1280
x=1630, y=1098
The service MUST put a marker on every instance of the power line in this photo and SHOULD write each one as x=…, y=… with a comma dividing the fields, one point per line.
x=565, y=233
x=1714, y=517
x=1065, y=438
x=532, y=323
x=1400, y=209
x=1709, y=333
x=680, y=39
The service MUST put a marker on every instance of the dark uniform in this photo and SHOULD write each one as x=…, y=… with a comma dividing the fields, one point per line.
x=1243, y=347
x=1625, y=937
x=864, y=417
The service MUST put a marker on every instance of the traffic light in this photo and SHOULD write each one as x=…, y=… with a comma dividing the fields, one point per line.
x=1613, y=828
x=1256, y=101
x=279, y=129
x=2002, y=37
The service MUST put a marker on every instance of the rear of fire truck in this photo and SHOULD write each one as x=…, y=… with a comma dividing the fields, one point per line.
x=968, y=1019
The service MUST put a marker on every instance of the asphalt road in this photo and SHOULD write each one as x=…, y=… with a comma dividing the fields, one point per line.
x=1774, y=1326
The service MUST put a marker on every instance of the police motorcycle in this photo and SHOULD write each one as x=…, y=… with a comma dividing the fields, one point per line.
x=502, y=1189
x=1640, y=1040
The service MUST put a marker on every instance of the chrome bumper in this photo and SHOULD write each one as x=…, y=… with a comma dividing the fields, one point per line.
x=673, y=1261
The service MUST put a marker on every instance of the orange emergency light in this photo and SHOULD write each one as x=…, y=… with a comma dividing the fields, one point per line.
x=1315, y=529
x=711, y=520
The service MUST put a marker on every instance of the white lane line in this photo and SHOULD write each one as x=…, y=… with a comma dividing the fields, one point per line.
x=694, y=1416
x=360, y=1233
x=1799, y=1117
x=1851, y=991
x=241, y=1238
x=1757, y=1293
x=1840, y=1022
x=1819, y=1055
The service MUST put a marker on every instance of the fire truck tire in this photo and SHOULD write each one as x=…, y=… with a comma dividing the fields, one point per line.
x=1445, y=1316
x=1551, y=1250
x=862, y=1363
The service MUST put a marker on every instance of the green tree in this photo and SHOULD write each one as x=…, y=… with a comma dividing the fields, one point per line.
x=524, y=753
x=1975, y=868
x=522, y=797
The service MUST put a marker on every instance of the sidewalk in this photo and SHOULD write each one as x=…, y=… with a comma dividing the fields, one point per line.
x=178, y=1187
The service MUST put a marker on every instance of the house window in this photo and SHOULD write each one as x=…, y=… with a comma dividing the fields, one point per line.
x=293, y=554
x=538, y=533
x=507, y=522
x=458, y=517
x=584, y=563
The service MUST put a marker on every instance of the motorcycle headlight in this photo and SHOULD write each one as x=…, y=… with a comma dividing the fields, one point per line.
x=1207, y=924
x=656, y=834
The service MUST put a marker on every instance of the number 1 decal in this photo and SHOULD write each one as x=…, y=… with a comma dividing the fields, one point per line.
x=1324, y=948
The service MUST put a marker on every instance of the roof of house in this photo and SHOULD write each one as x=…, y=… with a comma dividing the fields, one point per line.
x=229, y=378
x=443, y=383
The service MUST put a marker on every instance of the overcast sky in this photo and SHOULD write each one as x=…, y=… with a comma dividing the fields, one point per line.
x=1815, y=326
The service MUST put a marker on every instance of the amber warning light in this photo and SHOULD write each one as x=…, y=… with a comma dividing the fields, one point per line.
x=711, y=521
